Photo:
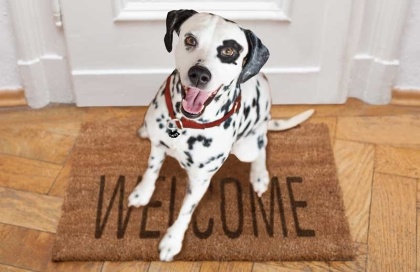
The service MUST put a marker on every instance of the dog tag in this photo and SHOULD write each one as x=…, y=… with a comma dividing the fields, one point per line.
x=173, y=133
x=172, y=129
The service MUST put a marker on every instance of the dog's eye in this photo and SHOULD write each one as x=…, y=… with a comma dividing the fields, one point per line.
x=190, y=41
x=228, y=51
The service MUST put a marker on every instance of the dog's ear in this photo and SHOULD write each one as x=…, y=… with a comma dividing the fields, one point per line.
x=257, y=56
x=174, y=20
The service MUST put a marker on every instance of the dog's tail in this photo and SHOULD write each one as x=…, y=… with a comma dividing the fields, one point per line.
x=278, y=124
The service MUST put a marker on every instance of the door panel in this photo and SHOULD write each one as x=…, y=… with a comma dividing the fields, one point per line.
x=117, y=54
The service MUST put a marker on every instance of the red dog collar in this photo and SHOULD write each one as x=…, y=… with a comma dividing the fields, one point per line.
x=187, y=123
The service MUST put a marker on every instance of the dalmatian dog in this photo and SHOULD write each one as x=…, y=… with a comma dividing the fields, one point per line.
x=214, y=104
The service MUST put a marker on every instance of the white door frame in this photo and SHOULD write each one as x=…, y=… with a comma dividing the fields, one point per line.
x=41, y=52
x=376, y=34
x=371, y=61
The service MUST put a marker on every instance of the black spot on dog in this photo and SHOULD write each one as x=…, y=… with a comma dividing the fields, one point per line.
x=161, y=126
x=258, y=105
x=193, y=207
x=178, y=87
x=155, y=103
x=189, y=158
x=207, y=142
x=260, y=141
x=164, y=144
x=200, y=138
x=246, y=111
x=226, y=124
x=191, y=141
x=214, y=169
x=244, y=130
x=226, y=107
x=178, y=107
x=229, y=52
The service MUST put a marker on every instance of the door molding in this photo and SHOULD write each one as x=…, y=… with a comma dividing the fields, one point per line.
x=377, y=30
x=134, y=10
x=44, y=71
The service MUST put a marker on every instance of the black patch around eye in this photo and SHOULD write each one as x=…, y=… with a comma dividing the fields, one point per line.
x=232, y=44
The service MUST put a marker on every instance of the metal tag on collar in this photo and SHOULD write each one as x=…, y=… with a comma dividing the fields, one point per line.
x=172, y=128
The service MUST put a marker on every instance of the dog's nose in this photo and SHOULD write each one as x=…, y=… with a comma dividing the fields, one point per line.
x=199, y=75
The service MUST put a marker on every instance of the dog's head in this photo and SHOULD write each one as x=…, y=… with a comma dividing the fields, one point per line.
x=211, y=53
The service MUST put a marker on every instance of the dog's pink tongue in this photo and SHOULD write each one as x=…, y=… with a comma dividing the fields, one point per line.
x=194, y=100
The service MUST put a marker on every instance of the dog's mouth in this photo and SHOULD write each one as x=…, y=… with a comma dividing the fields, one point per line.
x=195, y=101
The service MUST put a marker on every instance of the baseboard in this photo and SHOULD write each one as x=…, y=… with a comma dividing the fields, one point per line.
x=406, y=97
x=12, y=98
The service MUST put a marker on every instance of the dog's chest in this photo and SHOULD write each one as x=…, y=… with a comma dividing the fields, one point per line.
x=201, y=148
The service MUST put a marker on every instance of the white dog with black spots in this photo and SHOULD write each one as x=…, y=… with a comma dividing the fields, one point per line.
x=214, y=104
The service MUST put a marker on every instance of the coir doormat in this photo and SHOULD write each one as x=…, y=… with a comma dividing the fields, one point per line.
x=300, y=217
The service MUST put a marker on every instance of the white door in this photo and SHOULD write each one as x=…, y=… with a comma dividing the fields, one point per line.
x=117, y=55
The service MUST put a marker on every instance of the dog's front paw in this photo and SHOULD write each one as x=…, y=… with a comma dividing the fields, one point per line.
x=170, y=245
x=259, y=181
x=141, y=195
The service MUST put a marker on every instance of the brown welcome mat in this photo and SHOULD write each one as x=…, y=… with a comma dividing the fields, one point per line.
x=300, y=217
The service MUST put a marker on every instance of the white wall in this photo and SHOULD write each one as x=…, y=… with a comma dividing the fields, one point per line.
x=9, y=74
x=409, y=73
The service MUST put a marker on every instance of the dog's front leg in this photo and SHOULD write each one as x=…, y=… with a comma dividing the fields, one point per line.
x=143, y=192
x=259, y=175
x=171, y=243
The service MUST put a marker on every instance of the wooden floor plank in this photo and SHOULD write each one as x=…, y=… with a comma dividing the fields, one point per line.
x=52, y=114
x=74, y=266
x=403, y=130
x=27, y=175
x=25, y=248
x=398, y=161
x=290, y=266
x=59, y=186
x=7, y=268
x=31, y=249
x=392, y=232
x=174, y=266
x=418, y=225
x=355, y=164
x=33, y=211
x=358, y=264
x=36, y=144
x=125, y=266
x=226, y=266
